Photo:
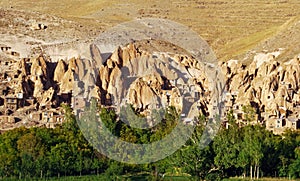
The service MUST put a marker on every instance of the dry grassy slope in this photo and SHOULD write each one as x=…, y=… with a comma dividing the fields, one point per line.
x=231, y=27
x=288, y=37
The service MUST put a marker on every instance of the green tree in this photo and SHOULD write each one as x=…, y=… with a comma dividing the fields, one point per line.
x=252, y=149
x=10, y=164
x=249, y=114
x=227, y=145
x=114, y=170
x=60, y=159
x=30, y=149
x=294, y=168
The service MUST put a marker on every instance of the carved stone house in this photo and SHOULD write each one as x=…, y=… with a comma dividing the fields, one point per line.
x=78, y=102
x=35, y=116
x=3, y=89
x=278, y=126
x=7, y=120
x=52, y=118
x=11, y=103
x=5, y=48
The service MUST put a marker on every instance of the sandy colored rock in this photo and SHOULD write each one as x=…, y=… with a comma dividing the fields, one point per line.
x=96, y=55
x=141, y=95
x=72, y=65
x=47, y=97
x=60, y=70
x=22, y=67
x=116, y=57
x=38, y=88
x=39, y=67
x=88, y=80
x=67, y=82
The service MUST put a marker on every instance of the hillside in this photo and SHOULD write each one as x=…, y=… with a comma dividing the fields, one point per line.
x=230, y=27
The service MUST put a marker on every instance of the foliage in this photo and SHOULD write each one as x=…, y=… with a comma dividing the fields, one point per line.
x=64, y=151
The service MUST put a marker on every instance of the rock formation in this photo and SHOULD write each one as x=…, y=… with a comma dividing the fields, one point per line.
x=59, y=72
x=266, y=84
x=149, y=80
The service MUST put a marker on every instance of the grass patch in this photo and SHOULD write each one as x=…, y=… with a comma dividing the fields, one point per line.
x=261, y=179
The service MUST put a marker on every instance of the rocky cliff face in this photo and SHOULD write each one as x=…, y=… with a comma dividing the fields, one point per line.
x=144, y=78
x=153, y=79
x=269, y=86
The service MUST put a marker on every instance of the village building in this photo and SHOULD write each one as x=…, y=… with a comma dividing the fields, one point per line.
x=8, y=119
x=56, y=120
x=11, y=103
x=280, y=125
x=51, y=118
x=35, y=116
x=3, y=89
x=78, y=102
